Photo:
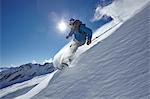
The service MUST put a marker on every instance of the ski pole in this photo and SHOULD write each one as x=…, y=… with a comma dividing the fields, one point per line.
x=105, y=31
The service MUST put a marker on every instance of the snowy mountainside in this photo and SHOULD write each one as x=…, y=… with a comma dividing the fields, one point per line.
x=119, y=10
x=110, y=68
x=24, y=72
x=21, y=88
x=3, y=68
x=117, y=68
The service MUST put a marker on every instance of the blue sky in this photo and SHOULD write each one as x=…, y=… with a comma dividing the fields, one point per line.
x=29, y=27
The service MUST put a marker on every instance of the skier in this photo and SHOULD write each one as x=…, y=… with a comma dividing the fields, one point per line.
x=81, y=34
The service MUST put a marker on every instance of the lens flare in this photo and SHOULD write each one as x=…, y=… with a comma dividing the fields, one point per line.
x=62, y=26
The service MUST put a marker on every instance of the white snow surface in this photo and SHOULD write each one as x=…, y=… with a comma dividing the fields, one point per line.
x=120, y=9
x=65, y=53
x=23, y=73
x=37, y=88
x=4, y=93
x=116, y=68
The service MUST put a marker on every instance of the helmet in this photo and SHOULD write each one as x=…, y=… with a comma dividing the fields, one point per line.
x=71, y=21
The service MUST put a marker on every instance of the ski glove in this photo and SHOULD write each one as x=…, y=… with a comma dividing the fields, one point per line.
x=67, y=37
x=88, y=42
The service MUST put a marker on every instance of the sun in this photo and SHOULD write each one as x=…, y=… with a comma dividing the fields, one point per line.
x=62, y=26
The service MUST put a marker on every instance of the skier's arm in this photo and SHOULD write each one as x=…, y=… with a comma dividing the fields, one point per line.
x=70, y=34
x=89, y=36
x=88, y=32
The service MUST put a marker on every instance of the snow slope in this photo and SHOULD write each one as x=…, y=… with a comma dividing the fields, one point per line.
x=38, y=88
x=23, y=73
x=20, y=88
x=117, y=68
x=120, y=10
x=65, y=53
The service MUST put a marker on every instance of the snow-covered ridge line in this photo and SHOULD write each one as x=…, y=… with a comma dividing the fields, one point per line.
x=122, y=9
x=24, y=72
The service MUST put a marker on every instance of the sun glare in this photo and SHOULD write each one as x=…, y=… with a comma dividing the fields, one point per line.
x=62, y=26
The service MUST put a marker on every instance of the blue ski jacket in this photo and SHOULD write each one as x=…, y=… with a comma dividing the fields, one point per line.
x=83, y=34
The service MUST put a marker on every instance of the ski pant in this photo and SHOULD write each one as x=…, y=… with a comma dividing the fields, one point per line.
x=68, y=56
x=75, y=44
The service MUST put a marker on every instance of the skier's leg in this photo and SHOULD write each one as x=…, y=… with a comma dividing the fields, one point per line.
x=74, y=46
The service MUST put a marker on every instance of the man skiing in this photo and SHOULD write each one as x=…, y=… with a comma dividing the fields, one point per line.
x=81, y=34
